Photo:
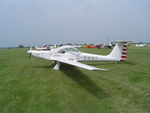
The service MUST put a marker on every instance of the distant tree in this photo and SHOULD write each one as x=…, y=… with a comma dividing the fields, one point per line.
x=9, y=47
x=21, y=46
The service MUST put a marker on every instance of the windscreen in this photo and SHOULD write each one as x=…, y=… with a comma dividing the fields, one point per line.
x=71, y=50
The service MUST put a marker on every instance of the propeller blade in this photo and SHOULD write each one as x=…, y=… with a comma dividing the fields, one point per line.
x=30, y=52
x=30, y=55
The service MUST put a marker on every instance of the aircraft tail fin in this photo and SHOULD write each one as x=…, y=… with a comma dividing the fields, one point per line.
x=120, y=50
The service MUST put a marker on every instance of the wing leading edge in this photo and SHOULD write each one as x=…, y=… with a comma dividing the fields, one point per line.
x=75, y=63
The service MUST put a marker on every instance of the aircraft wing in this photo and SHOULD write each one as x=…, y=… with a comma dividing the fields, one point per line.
x=75, y=63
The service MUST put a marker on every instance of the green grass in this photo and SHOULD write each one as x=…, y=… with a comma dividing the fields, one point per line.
x=30, y=86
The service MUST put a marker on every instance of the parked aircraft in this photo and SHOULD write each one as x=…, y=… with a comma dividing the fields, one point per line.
x=72, y=56
x=140, y=45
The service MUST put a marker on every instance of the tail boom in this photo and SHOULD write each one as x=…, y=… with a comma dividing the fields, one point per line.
x=119, y=53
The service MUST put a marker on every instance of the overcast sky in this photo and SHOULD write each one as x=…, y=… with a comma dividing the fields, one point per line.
x=33, y=22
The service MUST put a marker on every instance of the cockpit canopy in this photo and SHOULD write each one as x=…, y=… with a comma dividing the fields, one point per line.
x=70, y=49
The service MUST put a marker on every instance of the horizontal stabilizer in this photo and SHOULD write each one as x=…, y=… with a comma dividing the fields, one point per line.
x=122, y=41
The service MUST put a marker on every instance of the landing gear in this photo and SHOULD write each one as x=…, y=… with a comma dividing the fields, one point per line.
x=55, y=64
x=119, y=62
x=56, y=67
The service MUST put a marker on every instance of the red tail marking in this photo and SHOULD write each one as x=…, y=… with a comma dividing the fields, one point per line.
x=124, y=49
x=125, y=46
x=123, y=56
x=124, y=53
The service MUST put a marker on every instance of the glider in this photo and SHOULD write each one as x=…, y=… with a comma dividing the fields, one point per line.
x=72, y=56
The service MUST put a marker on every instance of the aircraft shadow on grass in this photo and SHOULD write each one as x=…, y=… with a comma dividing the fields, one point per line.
x=84, y=81
x=41, y=67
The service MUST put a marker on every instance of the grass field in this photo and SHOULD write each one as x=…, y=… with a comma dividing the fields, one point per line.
x=30, y=86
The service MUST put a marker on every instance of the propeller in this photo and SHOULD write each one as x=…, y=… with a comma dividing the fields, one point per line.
x=30, y=52
x=30, y=55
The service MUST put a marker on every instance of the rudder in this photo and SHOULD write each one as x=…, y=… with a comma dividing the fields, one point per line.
x=120, y=50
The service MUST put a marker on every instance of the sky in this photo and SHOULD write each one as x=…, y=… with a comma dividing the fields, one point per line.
x=35, y=22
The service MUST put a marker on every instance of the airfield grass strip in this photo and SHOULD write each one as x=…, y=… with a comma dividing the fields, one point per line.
x=31, y=86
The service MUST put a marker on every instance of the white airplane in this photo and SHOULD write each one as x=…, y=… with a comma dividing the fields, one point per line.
x=72, y=56
x=140, y=45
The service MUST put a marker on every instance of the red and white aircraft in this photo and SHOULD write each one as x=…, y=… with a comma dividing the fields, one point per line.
x=72, y=56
